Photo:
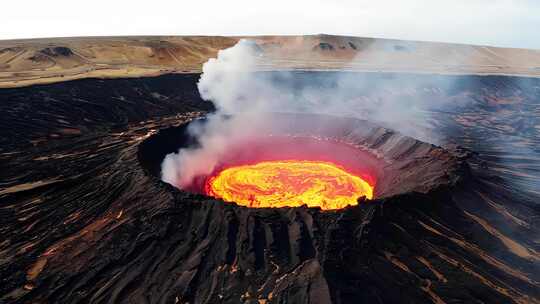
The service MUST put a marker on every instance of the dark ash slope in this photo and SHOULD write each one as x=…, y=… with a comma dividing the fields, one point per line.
x=84, y=222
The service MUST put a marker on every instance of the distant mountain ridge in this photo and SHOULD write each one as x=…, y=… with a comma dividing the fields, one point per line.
x=35, y=61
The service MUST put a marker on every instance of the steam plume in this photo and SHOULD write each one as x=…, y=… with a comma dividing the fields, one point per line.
x=231, y=81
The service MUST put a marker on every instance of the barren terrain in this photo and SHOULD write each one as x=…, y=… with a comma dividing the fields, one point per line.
x=26, y=62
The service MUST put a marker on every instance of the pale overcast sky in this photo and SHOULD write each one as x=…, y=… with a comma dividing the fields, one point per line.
x=514, y=23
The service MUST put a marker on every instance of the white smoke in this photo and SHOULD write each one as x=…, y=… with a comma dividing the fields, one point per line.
x=232, y=82
x=225, y=81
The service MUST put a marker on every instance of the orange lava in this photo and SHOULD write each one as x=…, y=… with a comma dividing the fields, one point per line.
x=289, y=183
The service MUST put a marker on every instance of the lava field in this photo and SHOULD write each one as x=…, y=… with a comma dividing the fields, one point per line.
x=86, y=217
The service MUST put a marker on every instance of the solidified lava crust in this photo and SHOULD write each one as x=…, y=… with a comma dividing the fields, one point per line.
x=86, y=218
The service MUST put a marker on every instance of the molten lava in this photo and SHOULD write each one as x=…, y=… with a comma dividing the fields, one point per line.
x=288, y=183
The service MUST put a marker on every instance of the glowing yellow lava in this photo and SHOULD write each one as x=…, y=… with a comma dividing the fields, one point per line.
x=289, y=183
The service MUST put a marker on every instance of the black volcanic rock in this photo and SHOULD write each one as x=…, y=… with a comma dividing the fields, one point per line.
x=57, y=51
x=86, y=219
x=324, y=46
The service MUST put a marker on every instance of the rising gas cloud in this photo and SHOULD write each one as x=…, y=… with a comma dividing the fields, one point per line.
x=236, y=87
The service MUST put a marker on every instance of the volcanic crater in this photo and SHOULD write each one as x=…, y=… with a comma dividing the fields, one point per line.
x=391, y=163
x=291, y=252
